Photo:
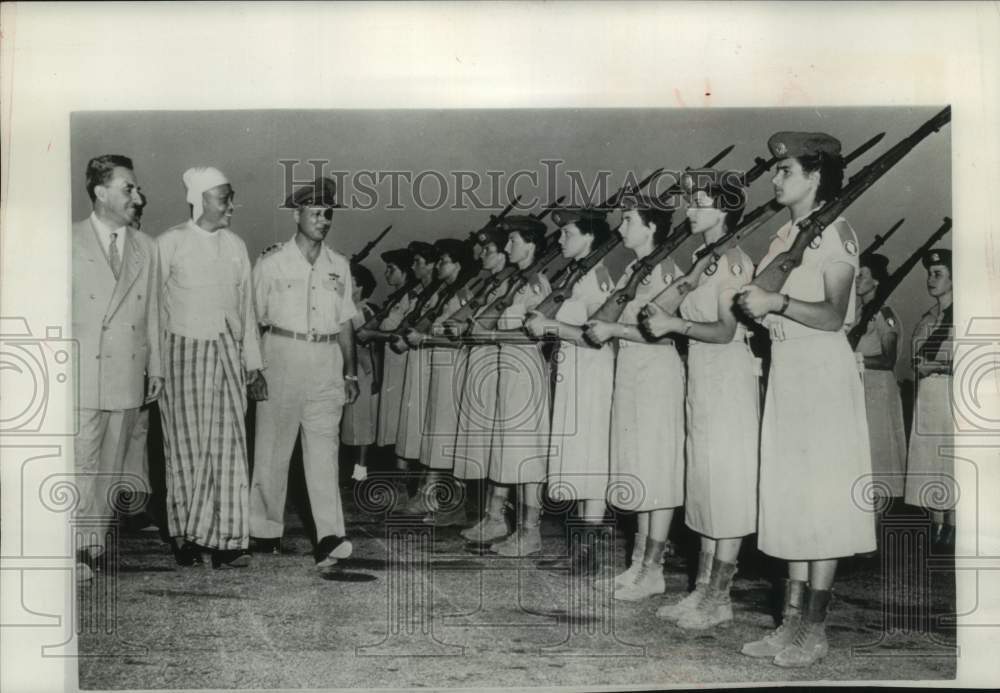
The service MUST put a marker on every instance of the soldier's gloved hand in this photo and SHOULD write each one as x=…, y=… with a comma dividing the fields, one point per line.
x=360, y=473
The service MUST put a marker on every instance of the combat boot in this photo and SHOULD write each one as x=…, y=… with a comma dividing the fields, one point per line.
x=672, y=612
x=624, y=577
x=646, y=582
x=527, y=540
x=716, y=606
x=777, y=640
x=809, y=644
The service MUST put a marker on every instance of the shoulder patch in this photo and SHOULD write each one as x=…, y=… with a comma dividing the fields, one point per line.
x=603, y=277
x=890, y=316
x=847, y=236
x=270, y=249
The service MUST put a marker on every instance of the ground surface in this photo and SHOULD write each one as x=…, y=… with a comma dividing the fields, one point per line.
x=439, y=616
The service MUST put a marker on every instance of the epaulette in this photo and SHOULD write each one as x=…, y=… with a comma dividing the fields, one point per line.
x=666, y=271
x=734, y=256
x=603, y=277
x=889, y=315
x=847, y=236
x=270, y=249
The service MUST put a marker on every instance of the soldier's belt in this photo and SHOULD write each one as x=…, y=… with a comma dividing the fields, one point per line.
x=302, y=336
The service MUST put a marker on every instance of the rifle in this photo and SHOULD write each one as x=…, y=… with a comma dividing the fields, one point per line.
x=363, y=253
x=773, y=277
x=889, y=285
x=669, y=300
x=390, y=302
x=880, y=240
x=574, y=271
x=423, y=324
x=476, y=301
x=612, y=309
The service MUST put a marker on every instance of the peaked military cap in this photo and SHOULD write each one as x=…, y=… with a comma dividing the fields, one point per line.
x=570, y=215
x=495, y=235
x=425, y=250
x=521, y=223
x=797, y=144
x=401, y=258
x=937, y=256
x=320, y=193
x=877, y=263
x=457, y=250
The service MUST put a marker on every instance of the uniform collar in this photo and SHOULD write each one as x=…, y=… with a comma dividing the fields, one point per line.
x=292, y=248
x=788, y=231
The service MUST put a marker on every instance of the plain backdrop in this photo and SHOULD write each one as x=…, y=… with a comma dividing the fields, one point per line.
x=248, y=146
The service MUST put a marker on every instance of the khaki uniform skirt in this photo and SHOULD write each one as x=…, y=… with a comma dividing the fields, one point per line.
x=930, y=480
x=647, y=428
x=391, y=397
x=886, y=435
x=814, y=463
x=476, y=413
x=413, y=405
x=723, y=422
x=437, y=446
x=521, y=434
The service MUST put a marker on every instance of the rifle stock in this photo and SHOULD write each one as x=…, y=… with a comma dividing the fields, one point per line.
x=774, y=276
x=886, y=288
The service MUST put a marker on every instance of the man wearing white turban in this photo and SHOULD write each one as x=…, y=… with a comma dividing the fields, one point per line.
x=211, y=352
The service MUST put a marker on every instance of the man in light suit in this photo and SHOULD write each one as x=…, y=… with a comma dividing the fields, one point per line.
x=116, y=322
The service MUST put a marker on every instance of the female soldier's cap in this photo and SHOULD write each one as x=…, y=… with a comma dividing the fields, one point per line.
x=937, y=256
x=521, y=224
x=457, y=250
x=365, y=278
x=799, y=144
x=495, y=235
x=320, y=193
x=570, y=215
x=877, y=264
x=425, y=250
x=711, y=180
x=645, y=202
x=401, y=258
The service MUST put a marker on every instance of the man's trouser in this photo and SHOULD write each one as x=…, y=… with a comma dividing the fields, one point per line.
x=99, y=457
x=305, y=388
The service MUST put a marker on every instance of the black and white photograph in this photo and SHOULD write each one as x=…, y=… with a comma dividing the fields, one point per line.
x=678, y=391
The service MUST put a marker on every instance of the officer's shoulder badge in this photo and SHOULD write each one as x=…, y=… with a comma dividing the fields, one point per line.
x=603, y=277
x=270, y=249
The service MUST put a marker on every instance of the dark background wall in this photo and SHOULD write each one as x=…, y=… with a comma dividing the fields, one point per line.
x=247, y=146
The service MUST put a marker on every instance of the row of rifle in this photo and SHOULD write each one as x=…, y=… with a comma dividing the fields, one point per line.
x=475, y=322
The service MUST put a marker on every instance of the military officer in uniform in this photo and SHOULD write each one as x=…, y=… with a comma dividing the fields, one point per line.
x=302, y=292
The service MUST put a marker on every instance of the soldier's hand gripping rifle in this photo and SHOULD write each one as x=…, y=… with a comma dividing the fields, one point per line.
x=885, y=288
x=563, y=289
x=371, y=325
x=669, y=300
x=774, y=276
x=364, y=252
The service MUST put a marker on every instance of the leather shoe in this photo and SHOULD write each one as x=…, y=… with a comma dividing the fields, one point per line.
x=330, y=549
x=230, y=558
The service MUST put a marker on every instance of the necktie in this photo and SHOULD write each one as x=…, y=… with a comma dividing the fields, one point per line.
x=113, y=256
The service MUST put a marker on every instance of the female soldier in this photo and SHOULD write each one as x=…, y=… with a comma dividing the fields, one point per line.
x=814, y=437
x=581, y=407
x=722, y=404
x=930, y=479
x=441, y=495
x=647, y=411
x=521, y=434
x=360, y=418
x=477, y=396
x=877, y=347
x=417, y=377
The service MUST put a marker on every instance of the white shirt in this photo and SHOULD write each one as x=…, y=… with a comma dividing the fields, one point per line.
x=104, y=236
x=205, y=286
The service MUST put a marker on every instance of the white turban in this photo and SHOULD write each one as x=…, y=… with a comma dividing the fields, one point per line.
x=198, y=180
